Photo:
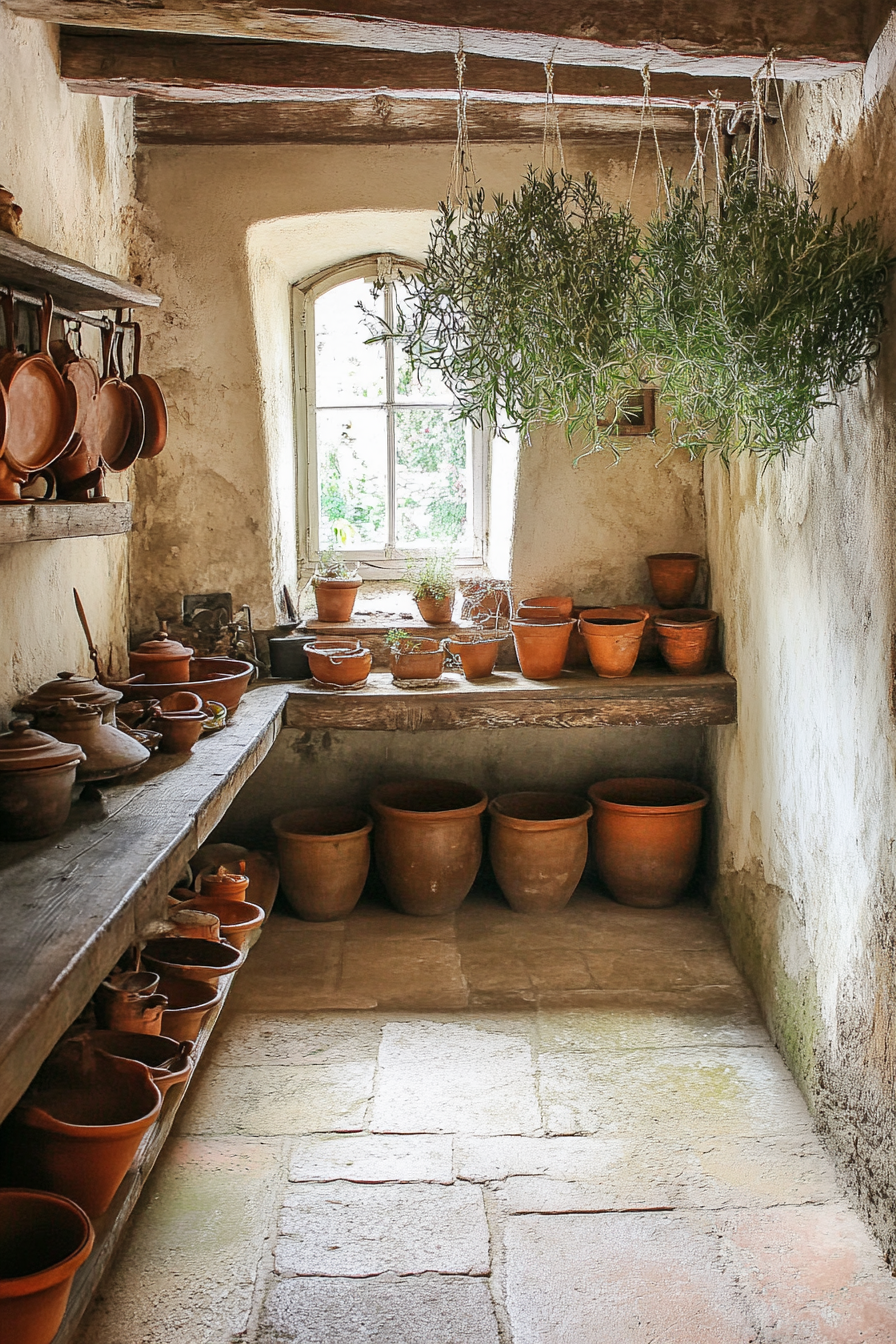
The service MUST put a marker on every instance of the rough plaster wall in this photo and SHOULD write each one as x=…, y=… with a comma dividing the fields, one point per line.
x=68, y=159
x=211, y=508
x=803, y=573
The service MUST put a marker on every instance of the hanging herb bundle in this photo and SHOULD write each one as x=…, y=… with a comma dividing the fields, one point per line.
x=754, y=315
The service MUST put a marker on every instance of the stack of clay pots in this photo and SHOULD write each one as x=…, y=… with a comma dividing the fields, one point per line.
x=685, y=635
x=541, y=633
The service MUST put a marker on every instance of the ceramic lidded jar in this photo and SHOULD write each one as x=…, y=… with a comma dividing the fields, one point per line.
x=36, y=777
x=109, y=752
x=161, y=659
x=65, y=686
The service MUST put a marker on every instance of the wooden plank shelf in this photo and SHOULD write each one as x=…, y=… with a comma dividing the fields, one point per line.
x=71, y=904
x=54, y=520
x=73, y=285
x=648, y=698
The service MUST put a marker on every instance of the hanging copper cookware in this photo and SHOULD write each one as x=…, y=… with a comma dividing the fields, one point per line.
x=129, y=407
x=41, y=407
x=77, y=471
x=10, y=481
x=154, y=409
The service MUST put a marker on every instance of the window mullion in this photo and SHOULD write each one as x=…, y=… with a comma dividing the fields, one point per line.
x=390, y=422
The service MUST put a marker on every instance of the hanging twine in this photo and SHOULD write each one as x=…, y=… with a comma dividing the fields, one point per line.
x=551, y=142
x=715, y=126
x=698, y=167
x=647, y=112
x=462, y=178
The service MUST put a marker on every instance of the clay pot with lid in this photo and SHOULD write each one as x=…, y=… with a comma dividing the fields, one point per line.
x=428, y=843
x=162, y=660
x=109, y=752
x=435, y=610
x=541, y=648
x=192, y=958
x=538, y=845
x=223, y=884
x=37, y=773
x=477, y=651
x=44, y=1241
x=421, y=665
x=335, y=664
x=645, y=837
x=673, y=576
x=613, y=638
x=687, y=639
x=335, y=598
x=68, y=686
x=324, y=859
x=189, y=1003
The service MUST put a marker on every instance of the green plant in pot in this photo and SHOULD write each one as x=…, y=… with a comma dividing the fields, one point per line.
x=433, y=584
x=336, y=583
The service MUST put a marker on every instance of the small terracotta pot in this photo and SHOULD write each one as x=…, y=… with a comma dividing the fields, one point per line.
x=613, y=638
x=541, y=649
x=79, y=1141
x=428, y=843
x=673, y=576
x=561, y=604
x=645, y=837
x=180, y=732
x=435, y=610
x=538, y=844
x=324, y=859
x=340, y=666
x=168, y=1060
x=192, y=958
x=44, y=1240
x=189, y=1004
x=221, y=884
x=424, y=664
x=237, y=918
x=335, y=598
x=687, y=639
x=577, y=650
x=190, y=923
x=181, y=702
x=477, y=656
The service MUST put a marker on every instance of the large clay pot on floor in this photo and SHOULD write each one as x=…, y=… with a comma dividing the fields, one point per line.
x=645, y=837
x=541, y=648
x=428, y=843
x=673, y=576
x=538, y=844
x=613, y=638
x=44, y=1241
x=324, y=859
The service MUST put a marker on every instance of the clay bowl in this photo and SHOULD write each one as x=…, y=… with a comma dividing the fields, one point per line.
x=237, y=918
x=340, y=666
x=192, y=958
x=222, y=679
x=44, y=1240
x=189, y=1003
x=180, y=732
x=167, y=1060
x=181, y=702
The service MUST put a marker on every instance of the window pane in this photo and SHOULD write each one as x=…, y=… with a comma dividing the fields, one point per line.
x=348, y=372
x=433, y=481
x=424, y=384
x=352, y=476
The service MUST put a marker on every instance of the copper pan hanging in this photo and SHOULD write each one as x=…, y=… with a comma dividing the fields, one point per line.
x=77, y=471
x=154, y=409
x=120, y=420
x=41, y=407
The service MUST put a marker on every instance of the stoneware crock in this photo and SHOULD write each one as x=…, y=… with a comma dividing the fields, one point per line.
x=324, y=859
x=538, y=844
x=428, y=843
x=36, y=777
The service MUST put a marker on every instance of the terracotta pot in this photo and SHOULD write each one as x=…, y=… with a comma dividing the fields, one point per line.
x=79, y=1140
x=477, y=655
x=129, y=1001
x=36, y=777
x=613, y=638
x=189, y=1003
x=260, y=867
x=339, y=666
x=192, y=958
x=673, y=576
x=335, y=598
x=428, y=843
x=541, y=649
x=237, y=918
x=162, y=660
x=188, y=923
x=561, y=604
x=538, y=844
x=424, y=664
x=168, y=1060
x=687, y=639
x=538, y=615
x=213, y=678
x=577, y=650
x=435, y=610
x=223, y=884
x=645, y=837
x=180, y=732
x=181, y=702
x=44, y=1241
x=67, y=686
x=324, y=859
x=650, y=648
x=110, y=753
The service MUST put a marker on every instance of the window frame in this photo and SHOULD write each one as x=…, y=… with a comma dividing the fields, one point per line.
x=389, y=559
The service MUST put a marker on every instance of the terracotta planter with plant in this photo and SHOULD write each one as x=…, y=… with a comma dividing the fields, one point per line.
x=324, y=859
x=613, y=638
x=428, y=843
x=645, y=837
x=687, y=639
x=541, y=648
x=336, y=585
x=673, y=576
x=414, y=661
x=433, y=585
x=538, y=844
x=44, y=1241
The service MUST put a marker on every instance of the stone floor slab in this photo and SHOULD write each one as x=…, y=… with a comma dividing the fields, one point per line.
x=484, y=1158
x=352, y=1231
x=372, y=1158
x=445, y=1077
x=752, y=1172
x=428, y=1309
x=296, y=1038
x=666, y=1023
x=419, y=973
x=267, y=1100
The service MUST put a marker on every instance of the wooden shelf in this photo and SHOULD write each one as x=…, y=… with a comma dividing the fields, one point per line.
x=73, y=285
x=648, y=698
x=53, y=520
x=71, y=904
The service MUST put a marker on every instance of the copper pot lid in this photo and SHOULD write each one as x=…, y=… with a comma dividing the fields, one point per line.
x=24, y=748
x=67, y=685
x=161, y=648
x=72, y=711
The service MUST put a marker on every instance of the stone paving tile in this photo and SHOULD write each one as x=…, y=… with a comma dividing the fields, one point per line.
x=186, y=1270
x=620, y=1190
x=429, y=1309
x=266, y=1100
x=752, y=1173
x=724, y=999
x=667, y=1023
x=296, y=1038
x=378, y=920
x=671, y=1094
x=668, y=970
x=447, y=1077
x=419, y=973
x=296, y=966
x=372, y=1158
x=495, y=1157
x=346, y=1230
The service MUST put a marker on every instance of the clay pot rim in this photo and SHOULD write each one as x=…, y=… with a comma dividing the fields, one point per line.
x=475, y=643
x=582, y=813
x=699, y=797
x=674, y=555
x=95, y=1034
x=281, y=827
x=196, y=946
x=539, y=627
x=681, y=618
x=255, y=913
x=194, y=987
x=24, y=1285
x=550, y=600
x=436, y=647
x=379, y=795
x=337, y=583
x=38, y=1117
x=592, y=626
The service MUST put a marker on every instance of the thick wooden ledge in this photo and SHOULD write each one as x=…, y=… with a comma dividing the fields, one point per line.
x=648, y=698
x=55, y=520
x=71, y=904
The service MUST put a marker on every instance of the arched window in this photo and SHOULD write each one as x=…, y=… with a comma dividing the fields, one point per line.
x=388, y=469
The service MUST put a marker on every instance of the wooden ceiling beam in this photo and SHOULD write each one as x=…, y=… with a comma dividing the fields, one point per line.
x=713, y=38
x=216, y=70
